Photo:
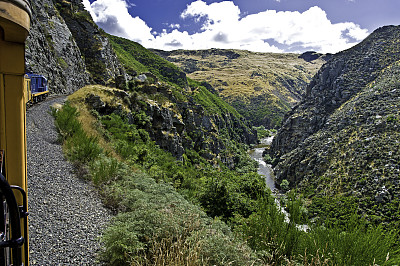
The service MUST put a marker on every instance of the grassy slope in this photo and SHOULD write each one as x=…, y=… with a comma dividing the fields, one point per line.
x=138, y=59
x=261, y=86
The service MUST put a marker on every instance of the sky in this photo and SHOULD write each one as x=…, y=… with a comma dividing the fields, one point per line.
x=326, y=26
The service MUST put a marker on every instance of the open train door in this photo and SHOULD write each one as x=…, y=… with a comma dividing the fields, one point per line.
x=15, y=16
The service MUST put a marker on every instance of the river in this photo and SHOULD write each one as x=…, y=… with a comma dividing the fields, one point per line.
x=263, y=168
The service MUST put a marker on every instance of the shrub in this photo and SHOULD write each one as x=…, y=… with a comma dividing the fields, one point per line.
x=161, y=227
x=80, y=147
x=66, y=121
x=105, y=170
x=266, y=230
x=284, y=185
x=354, y=244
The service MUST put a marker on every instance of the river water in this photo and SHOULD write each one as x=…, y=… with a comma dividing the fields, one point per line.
x=263, y=168
x=266, y=171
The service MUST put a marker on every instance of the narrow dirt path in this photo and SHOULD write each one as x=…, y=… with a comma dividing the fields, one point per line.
x=66, y=215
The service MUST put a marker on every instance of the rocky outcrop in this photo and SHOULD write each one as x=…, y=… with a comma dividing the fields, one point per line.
x=187, y=125
x=52, y=51
x=100, y=58
x=69, y=49
x=178, y=126
x=343, y=139
x=312, y=56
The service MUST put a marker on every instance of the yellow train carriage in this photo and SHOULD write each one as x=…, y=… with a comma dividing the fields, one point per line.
x=15, y=18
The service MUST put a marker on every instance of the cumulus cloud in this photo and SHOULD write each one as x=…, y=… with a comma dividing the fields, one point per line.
x=267, y=31
x=114, y=18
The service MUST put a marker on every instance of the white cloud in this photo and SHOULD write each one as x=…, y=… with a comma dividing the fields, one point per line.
x=114, y=18
x=174, y=26
x=223, y=26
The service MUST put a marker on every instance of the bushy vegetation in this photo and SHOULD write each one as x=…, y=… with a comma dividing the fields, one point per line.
x=266, y=110
x=156, y=224
x=270, y=233
x=221, y=193
x=80, y=148
x=262, y=132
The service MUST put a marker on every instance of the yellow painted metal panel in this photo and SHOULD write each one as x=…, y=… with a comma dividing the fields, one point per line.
x=15, y=130
x=15, y=22
x=2, y=113
x=12, y=54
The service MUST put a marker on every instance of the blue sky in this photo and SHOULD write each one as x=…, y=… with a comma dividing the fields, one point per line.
x=256, y=25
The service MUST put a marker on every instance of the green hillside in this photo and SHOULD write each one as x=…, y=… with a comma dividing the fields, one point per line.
x=340, y=147
x=261, y=86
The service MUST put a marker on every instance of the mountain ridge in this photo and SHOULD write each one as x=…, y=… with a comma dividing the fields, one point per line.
x=340, y=141
x=261, y=86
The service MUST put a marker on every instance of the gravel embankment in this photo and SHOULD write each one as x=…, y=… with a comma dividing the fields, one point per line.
x=66, y=215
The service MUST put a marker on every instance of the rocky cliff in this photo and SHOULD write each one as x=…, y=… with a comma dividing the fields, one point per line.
x=68, y=48
x=52, y=51
x=178, y=125
x=343, y=139
x=100, y=58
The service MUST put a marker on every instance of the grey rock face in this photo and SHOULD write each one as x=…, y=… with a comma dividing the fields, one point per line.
x=101, y=61
x=51, y=50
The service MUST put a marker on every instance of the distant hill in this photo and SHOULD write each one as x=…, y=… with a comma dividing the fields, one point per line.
x=261, y=86
x=342, y=143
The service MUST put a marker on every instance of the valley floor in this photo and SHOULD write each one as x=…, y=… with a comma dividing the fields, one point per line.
x=66, y=216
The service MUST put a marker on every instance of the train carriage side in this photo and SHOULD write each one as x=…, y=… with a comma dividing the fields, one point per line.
x=39, y=88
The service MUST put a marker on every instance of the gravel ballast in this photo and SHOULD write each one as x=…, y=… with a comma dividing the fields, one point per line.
x=66, y=216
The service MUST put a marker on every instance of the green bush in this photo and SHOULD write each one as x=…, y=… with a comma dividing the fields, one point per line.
x=66, y=121
x=79, y=146
x=82, y=148
x=106, y=169
x=357, y=244
x=157, y=217
x=354, y=244
x=284, y=185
